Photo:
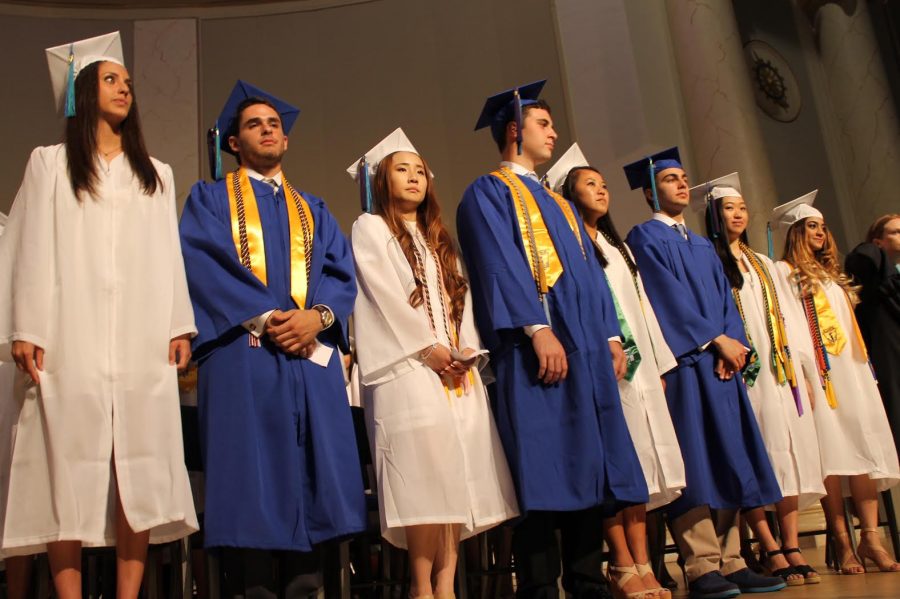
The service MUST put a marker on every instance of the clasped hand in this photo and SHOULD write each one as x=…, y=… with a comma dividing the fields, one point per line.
x=732, y=356
x=294, y=331
x=441, y=361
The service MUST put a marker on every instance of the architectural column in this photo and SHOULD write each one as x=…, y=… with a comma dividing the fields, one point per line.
x=167, y=90
x=867, y=127
x=721, y=110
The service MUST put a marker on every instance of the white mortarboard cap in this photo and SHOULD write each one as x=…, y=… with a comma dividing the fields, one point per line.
x=573, y=157
x=728, y=186
x=106, y=47
x=396, y=141
x=787, y=214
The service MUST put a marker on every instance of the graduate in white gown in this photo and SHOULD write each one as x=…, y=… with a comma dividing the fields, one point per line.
x=641, y=386
x=440, y=467
x=857, y=447
x=776, y=382
x=95, y=311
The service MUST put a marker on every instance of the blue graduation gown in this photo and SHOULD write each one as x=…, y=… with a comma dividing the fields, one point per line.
x=567, y=444
x=282, y=469
x=726, y=463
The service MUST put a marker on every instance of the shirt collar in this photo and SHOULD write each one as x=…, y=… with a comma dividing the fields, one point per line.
x=254, y=175
x=520, y=170
x=666, y=219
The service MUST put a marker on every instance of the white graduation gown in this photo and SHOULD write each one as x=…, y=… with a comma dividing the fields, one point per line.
x=100, y=285
x=438, y=457
x=643, y=398
x=855, y=437
x=790, y=439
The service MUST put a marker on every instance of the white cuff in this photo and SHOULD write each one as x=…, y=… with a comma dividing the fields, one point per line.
x=257, y=326
x=617, y=339
x=531, y=329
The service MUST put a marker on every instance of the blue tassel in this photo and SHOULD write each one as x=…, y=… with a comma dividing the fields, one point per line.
x=712, y=217
x=365, y=185
x=652, y=170
x=518, y=108
x=215, y=153
x=70, y=84
x=218, y=168
x=771, y=244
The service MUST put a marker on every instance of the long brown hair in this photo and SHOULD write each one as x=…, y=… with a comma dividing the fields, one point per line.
x=812, y=268
x=428, y=220
x=81, y=139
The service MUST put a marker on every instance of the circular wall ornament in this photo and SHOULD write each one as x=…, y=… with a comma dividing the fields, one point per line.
x=774, y=85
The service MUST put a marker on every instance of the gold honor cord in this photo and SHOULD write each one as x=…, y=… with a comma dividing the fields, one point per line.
x=781, y=361
x=246, y=230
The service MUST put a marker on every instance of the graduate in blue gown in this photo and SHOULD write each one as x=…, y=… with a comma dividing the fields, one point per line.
x=551, y=327
x=272, y=282
x=726, y=464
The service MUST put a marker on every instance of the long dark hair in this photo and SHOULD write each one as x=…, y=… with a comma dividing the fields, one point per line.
x=81, y=139
x=428, y=219
x=604, y=224
x=720, y=242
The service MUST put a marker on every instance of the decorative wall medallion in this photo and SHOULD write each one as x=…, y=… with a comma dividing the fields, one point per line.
x=774, y=85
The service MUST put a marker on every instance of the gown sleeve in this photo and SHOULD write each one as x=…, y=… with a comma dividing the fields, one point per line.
x=337, y=283
x=389, y=332
x=182, y=311
x=224, y=293
x=686, y=330
x=502, y=282
x=27, y=252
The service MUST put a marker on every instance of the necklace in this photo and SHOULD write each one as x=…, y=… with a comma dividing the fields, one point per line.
x=114, y=150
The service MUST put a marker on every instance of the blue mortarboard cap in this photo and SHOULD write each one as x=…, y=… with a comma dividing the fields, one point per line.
x=506, y=106
x=641, y=174
x=638, y=172
x=241, y=91
x=217, y=137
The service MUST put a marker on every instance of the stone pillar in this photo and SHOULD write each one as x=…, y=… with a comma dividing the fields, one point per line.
x=867, y=126
x=721, y=110
x=167, y=90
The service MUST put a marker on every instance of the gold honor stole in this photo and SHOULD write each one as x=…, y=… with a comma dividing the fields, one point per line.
x=540, y=251
x=781, y=361
x=247, y=233
x=827, y=335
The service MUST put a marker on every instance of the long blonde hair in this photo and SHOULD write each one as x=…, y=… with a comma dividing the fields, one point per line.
x=812, y=268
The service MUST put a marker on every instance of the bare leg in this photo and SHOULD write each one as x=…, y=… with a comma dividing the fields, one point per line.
x=65, y=566
x=865, y=497
x=423, y=542
x=18, y=576
x=445, y=562
x=756, y=518
x=620, y=555
x=833, y=505
x=634, y=519
x=131, y=555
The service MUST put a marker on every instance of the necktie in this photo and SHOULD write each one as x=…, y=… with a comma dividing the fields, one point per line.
x=682, y=230
x=271, y=183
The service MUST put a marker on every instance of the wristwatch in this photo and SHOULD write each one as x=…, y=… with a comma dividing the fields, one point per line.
x=325, y=314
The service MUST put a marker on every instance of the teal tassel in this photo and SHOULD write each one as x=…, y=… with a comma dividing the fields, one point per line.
x=652, y=168
x=70, y=84
x=365, y=185
x=218, y=167
x=771, y=244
